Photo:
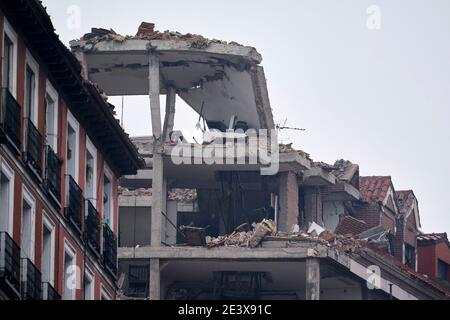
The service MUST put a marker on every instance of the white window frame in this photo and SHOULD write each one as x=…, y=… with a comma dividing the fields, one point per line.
x=76, y=153
x=93, y=151
x=12, y=35
x=31, y=201
x=69, y=250
x=90, y=275
x=47, y=223
x=104, y=293
x=34, y=66
x=108, y=173
x=9, y=173
x=53, y=94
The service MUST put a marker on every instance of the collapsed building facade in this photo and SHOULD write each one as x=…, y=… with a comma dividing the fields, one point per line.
x=195, y=225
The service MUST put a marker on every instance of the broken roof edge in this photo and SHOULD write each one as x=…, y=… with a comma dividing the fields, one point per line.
x=250, y=54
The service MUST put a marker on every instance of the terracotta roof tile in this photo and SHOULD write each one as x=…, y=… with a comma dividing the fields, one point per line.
x=350, y=225
x=374, y=188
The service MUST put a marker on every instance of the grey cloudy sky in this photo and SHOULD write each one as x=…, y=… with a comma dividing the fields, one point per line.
x=380, y=98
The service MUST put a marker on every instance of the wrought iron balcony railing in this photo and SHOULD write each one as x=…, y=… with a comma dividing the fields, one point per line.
x=109, y=250
x=31, y=281
x=92, y=228
x=49, y=293
x=34, y=146
x=9, y=264
x=74, y=204
x=53, y=174
x=10, y=120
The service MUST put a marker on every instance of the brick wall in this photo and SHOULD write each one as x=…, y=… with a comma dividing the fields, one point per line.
x=288, y=215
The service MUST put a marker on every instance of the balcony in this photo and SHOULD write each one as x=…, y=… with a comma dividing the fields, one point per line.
x=74, y=204
x=31, y=281
x=9, y=265
x=53, y=175
x=109, y=250
x=10, y=120
x=49, y=293
x=92, y=228
x=34, y=146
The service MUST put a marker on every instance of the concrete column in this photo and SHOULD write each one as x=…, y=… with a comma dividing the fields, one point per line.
x=155, y=280
x=312, y=279
x=158, y=177
x=169, y=118
x=288, y=215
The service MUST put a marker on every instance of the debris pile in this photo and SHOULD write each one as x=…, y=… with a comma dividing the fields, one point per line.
x=178, y=195
x=239, y=238
x=183, y=195
x=136, y=192
x=147, y=31
x=266, y=231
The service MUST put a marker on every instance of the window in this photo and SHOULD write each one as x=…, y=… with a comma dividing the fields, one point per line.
x=28, y=229
x=70, y=273
x=72, y=147
x=91, y=173
x=88, y=285
x=51, y=117
x=443, y=270
x=9, y=58
x=6, y=197
x=410, y=256
x=48, y=251
x=108, y=215
x=7, y=61
x=138, y=281
x=31, y=88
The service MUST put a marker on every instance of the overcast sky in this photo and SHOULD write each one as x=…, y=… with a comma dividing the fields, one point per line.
x=378, y=96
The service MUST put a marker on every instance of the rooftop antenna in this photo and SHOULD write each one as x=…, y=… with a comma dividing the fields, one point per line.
x=280, y=127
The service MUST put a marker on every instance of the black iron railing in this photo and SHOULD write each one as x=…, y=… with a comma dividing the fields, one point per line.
x=74, y=204
x=10, y=120
x=49, y=293
x=53, y=174
x=34, y=146
x=92, y=228
x=10, y=263
x=109, y=250
x=31, y=281
x=138, y=281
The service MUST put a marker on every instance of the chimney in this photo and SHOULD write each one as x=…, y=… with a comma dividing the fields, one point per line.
x=399, y=239
x=146, y=29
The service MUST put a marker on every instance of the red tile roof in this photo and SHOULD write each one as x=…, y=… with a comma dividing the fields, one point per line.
x=374, y=188
x=408, y=270
x=351, y=226
x=432, y=238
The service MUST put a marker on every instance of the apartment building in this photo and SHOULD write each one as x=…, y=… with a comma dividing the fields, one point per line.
x=62, y=152
x=203, y=220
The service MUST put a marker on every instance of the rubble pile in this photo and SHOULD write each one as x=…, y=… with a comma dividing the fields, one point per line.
x=136, y=192
x=146, y=31
x=265, y=231
x=183, y=195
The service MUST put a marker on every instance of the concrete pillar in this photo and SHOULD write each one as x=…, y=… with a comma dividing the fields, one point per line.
x=288, y=214
x=169, y=118
x=155, y=280
x=312, y=279
x=158, y=177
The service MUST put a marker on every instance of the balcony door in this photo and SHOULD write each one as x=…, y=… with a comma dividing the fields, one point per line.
x=6, y=198
x=28, y=225
x=51, y=117
x=72, y=147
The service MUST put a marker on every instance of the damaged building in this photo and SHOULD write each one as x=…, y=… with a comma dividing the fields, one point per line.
x=192, y=227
